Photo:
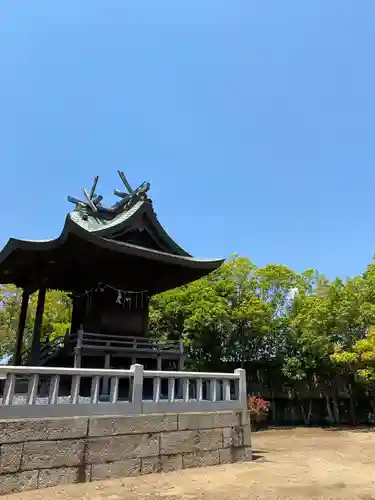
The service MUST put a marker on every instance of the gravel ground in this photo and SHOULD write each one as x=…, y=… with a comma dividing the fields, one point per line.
x=21, y=400
x=294, y=464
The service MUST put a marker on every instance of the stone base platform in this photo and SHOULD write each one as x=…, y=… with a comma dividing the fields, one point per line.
x=37, y=453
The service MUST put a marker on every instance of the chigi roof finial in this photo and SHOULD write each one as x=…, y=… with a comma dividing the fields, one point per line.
x=91, y=205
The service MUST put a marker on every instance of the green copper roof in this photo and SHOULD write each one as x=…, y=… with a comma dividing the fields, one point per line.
x=133, y=211
x=96, y=223
x=91, y=214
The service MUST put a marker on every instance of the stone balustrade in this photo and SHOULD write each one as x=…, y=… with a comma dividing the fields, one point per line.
x=31, y=392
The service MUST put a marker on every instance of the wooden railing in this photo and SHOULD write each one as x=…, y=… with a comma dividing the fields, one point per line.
x=77, y=343
x=124, y=392
x=115, y=343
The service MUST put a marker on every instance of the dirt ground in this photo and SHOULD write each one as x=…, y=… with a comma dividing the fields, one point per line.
x=288, y=464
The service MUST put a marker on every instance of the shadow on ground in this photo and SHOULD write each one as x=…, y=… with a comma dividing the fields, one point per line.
x=350, y=428
x=332, y=428
x=259, y=455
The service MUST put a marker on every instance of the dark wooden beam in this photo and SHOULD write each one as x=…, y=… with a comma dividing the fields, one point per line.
x=21, y=327
x=145, y=316
x=35, y=346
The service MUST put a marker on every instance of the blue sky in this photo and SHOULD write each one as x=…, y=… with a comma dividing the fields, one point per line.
x=253, y=121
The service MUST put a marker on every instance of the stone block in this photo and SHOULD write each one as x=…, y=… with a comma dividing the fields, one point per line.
x=246, y=435
x=193, y=421
x=49, y=454
x=132, y=424
x=200, y=459
x=226, y=419
x=172, y=443
x=61, y=475
x=244, y=417
x=242, y=454
x=40, y=429
x=225, y=456
x=170, y=463
x=150, y=465
x=210, y=440
x=120, y=468
x=20, y=481
x=10, y=457
x=110, y=449
x=232, y=436
x=88, y=473
x=208, y=420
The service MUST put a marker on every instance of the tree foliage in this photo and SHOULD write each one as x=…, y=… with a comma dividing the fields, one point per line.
x=296, y=323
x=56, y=317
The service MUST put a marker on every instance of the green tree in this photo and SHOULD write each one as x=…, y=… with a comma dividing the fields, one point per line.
x=333, y=315
x=360, y=361
x=9, y=310
x=56, y=317
x=221, y=317
x=236, y=315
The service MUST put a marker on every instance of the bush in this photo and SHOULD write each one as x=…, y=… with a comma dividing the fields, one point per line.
x=258, y=408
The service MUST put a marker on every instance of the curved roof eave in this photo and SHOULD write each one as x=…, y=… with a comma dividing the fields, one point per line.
x=163, y=233
x=70, y=227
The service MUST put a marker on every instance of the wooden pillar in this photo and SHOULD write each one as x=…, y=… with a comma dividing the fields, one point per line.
x=134, y=359
x=181, y=361
x=159, y=363
x=145, y=314
x=78, y=348
x=77, y=315
x=107, y=366
x=21, y=328
x=180, y=368
x=35, y=345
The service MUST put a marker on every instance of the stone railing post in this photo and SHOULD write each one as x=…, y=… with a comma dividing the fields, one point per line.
x=137, y=387
x=242, y=391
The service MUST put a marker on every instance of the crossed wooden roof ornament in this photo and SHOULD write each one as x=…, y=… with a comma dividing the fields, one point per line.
x=92, y=203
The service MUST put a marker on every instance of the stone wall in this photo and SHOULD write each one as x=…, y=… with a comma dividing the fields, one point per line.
x=36, y=453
